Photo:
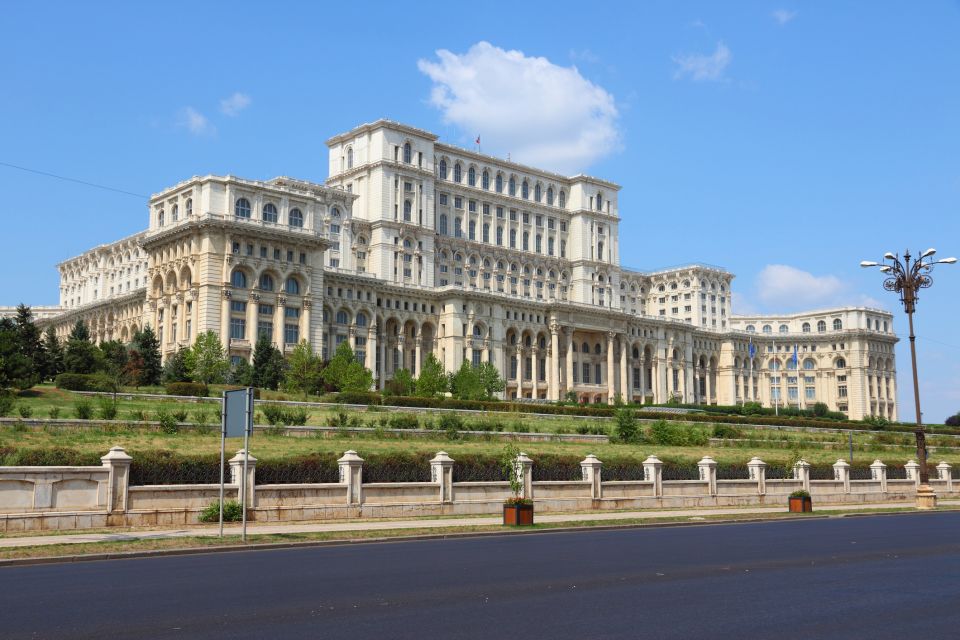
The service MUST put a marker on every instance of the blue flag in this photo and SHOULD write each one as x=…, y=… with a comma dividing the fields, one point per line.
x=753, y=349
x=795, y=359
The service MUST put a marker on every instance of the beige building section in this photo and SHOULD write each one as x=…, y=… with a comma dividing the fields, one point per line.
x=413, y=247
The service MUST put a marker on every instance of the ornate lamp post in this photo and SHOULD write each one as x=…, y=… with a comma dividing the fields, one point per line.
x=907, y=279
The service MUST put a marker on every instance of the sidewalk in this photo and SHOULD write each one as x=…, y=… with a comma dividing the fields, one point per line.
x=381, y=525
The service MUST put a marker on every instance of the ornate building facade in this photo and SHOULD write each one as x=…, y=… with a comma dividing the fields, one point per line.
x=413, y=247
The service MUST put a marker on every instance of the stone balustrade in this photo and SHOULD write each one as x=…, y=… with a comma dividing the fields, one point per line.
x=36, y=498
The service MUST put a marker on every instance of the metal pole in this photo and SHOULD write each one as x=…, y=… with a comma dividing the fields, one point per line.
x=921, y=436
x=851, y=447
x=223, y=440
x=246, y=457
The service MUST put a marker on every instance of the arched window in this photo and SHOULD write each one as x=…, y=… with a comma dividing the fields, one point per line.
x=585, y=348
x=269, y=213
x=443, y=224
x=477, y=331
x=562, y=201
x=407, y=153
x=341, y=317
x=266, y=282
x=751, y=328
x=485, y=180
x=774, y=365
x=599, y=202
x=296, y=218
x=472, y=177
x=189, y=207
x=525, y=190
x=238, y=279
x=443, y=169
x=791, y=365
x=335, y=213
x=806, y=327
x=767, y=328
x=174, y=213
x=350, y=158
x=160, y=218
x=596, y=348
x=407, y=210
x=457, y=173
x=841, y=363
x=784, y=329
x=242, y=208
x=293, y=286
x=513, y=238
x=498, y=183
x=550, y=196
x=512, y=187
x=361, y=320
x=821, y=326
x=537, y=193
x=809, y=364
x=837, y=325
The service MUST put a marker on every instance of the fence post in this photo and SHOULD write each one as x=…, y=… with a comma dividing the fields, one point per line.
x=591, y=468
x=236, y=472
x=441, y=473
x=913, y=471
x=758, y=473
x=841, y=473
x=878, y=471
x=525, y=473
x=801, y=472
x=708, y=473
x=943, y=473
x=118, y=481
x=351, y=474
x=653, y=472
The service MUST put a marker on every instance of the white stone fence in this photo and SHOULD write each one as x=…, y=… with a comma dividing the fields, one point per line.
x=37, y=498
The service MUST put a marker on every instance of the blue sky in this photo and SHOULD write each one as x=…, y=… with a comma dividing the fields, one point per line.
x=785, y=141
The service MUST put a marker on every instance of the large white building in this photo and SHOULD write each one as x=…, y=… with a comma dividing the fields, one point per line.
x=413, y=246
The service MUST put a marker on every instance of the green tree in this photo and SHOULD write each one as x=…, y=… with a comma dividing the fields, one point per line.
x=345, y=373
x=432, y=380
x=357, y=378
x=268, y=365
x=626, y=421
x=81, y=355
x=490, y=380
x=402, y=384
x=241, y=374
x=30, y=343
x=146, y=343
x=115, y=358
x=466, y=384
x=177, y=367
x=15, y=369
x=54, y=362
x=303, y=369
x=133, y=370
x=207, y=361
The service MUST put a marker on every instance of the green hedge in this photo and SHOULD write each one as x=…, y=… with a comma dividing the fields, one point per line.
x=195, y=389
x=84, y=382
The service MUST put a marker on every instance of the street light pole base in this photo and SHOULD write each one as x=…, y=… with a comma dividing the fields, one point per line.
x=926, y=498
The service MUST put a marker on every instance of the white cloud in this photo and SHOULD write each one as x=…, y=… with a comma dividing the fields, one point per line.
x=541, y=113
x=700, y=67
x=785, y=286
x=236, y=103
x=195, y=122
x=783, y=16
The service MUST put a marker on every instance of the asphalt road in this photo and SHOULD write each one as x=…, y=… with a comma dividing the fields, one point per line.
x=867, y=577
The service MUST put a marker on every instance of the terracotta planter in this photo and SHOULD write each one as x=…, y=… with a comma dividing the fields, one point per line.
x=800, y=505
x=518, y=514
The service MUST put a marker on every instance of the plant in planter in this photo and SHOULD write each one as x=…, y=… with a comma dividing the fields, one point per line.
x=517, y=509
x=800, y=502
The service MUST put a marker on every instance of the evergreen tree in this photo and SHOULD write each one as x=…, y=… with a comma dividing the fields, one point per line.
x=115, y=359
x=241, y=374
x=177, y=367
x=490, y=380
x=29, y=343
x=146, y=343
x=345, y=373
x=208, y=363
x=81, y=355
x=54, y=352
x=15, y=370
x=303, y=369
x=432, y=381
x=268, y=365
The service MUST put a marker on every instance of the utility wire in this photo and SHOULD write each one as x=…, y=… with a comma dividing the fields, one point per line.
x=944, y=344
x=84, y=182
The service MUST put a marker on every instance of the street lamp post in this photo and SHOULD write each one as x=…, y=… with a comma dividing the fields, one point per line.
x=907, y=279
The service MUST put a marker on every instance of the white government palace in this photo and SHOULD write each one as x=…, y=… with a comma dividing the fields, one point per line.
x=413, y=246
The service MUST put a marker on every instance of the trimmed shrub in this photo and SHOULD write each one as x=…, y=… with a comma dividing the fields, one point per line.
x=54, y=413
x=107, y=408
x=6, y=403
x=168, y=423
x=84, y=382
x=195, y=389
x=232, y=512
x=726, y=431
x=25, y=411
x=626, y=425
x=404, y=421
x=83, y=409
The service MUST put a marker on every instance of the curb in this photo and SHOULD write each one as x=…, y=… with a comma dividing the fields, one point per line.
x=267, y=546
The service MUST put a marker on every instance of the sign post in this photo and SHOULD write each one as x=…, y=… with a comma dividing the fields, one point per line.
x=248, y=427
x=236, y=420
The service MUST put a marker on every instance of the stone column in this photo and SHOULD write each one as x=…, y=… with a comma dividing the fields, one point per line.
x=709, y=384
x=841, y=473
x=252, y=301
x=708, y=473
x=611, y=375
x=913, y=471
x=371, y=362
x=441, y=473
x=519, y=371
x=382, y=380
x=943, y=473
x=305, y=324
x=401, y=349
x=591, y=468
x=351, y=474
x=224, y=322
x=554, y=363
x=801, y=471
x=653, y=472
x=758, y=472
x=118, y=481
x=624, y=378
x=878, y=471
x=525, y=471
x=278, y=312
x=569, y=386
x=417, y=364
x=236, y=473
x=535, y=371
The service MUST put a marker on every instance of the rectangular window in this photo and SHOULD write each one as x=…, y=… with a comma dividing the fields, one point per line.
x=457, y=202
x=442, y=199
x=500, y=212
x=599, y=371
x=263, y=252
x=265, y=330
x=291, y=333
x=238, y=328
x=266, y=309
x=472, y=206
x=238, y=306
